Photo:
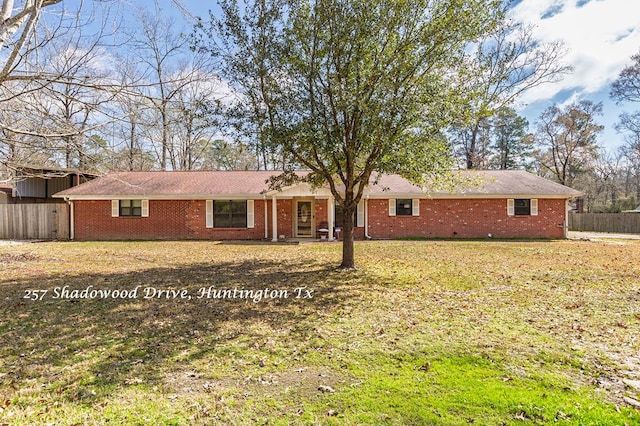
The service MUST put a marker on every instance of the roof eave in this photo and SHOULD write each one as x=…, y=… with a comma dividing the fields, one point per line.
x=101, y=197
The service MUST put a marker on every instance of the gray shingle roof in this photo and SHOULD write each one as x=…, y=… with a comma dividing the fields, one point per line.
x=203, y=184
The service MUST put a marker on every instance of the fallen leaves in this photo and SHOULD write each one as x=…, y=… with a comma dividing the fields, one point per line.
x=548, y=307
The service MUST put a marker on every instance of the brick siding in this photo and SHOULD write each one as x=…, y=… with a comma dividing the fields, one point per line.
x=467, y=218
x=186, y=219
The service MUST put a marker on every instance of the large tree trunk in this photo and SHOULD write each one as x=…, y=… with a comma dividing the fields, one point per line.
x=348, y=261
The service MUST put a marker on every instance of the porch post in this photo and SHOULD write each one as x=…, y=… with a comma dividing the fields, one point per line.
x=274, y=218
x=330, y=213
x=266, y=218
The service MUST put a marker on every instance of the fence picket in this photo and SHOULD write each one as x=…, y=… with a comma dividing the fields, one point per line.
x=625, y=223
x=34, y=221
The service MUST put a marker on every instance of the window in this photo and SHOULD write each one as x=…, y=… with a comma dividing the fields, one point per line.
x=229, y=213
x=339, y=220
x=522, y=207
x=130, y=208
x=404, y=207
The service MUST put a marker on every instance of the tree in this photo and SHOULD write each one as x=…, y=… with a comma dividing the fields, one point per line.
x=626, y=88
x=512, y=145
x=18, y=25
x=129, y=108
x=347, y=88
x=567, y=139
x=505, y=64
x=48, y=52
x=629, y=124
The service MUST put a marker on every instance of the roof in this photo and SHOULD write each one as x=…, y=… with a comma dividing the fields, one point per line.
x=477, y=184
x=188, y=184
x=253, y=184
x=6, y=188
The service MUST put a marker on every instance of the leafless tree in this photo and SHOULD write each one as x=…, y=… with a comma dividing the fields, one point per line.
x=50, y=78
x=566, y=138
x=504, y=65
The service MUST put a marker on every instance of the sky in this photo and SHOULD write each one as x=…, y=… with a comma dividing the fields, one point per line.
x=600, y=37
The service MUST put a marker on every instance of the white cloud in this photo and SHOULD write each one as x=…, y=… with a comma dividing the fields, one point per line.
x=601, y=36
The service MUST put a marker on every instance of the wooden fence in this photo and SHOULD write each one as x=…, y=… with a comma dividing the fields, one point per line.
x=34, y=221
x=626, y=223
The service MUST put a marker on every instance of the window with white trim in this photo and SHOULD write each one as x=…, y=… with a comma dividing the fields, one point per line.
x=229, y=214
x=404, y=207
x=130, y=208
x=522, y=207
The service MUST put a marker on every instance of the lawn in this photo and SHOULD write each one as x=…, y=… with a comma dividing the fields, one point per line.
x=424, y=332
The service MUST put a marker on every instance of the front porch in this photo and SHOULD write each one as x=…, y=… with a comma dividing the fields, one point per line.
x=301, y=218
x=300, y=212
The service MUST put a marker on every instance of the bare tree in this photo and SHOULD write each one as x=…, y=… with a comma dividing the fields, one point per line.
x=159, y=48
x=50, y=78
x=194, y=112
x=18, y=29
x=629, y=125
x=566, y=138
x=505, y=64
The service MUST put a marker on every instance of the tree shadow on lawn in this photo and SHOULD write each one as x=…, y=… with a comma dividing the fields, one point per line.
x=82, y=349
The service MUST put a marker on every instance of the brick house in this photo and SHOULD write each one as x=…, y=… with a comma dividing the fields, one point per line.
x=228, y=205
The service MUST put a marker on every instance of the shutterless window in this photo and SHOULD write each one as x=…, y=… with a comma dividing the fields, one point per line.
x=229, y=214
x=522, y=207
x=404, y=207
x=130, y=207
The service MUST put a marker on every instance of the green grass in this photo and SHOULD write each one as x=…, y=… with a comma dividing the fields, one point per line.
x=424, y=332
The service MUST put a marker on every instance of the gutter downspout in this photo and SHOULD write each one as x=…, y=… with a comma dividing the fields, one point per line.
x=366, y=218
x=566, y=219
x=274, y=218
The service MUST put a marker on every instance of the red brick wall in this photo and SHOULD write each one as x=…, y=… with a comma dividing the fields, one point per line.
x=467, y=218
x=168, y=219
x=185, y=219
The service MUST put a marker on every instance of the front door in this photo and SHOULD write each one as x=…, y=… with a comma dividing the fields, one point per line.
x=304, y=219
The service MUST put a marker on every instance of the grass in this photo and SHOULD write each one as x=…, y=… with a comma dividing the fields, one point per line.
x=424, y=332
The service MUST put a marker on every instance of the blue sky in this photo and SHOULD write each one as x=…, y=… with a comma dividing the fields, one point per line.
x=600, y=35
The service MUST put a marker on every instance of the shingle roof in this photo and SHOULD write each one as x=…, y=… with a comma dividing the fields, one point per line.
x=203, y=184
x=192, y=183
x=478, y=183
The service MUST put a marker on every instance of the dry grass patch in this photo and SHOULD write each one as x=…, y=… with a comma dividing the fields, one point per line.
x=424, y=332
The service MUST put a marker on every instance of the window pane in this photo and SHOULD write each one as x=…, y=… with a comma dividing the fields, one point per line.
x=136, y=203
x=125, y=203
x=403, y=207
x=221, y=207
x=222, y=221
x=239, y=207
x=522, y=207
x=239, y=221
x=125, y=211
x=136, y=211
